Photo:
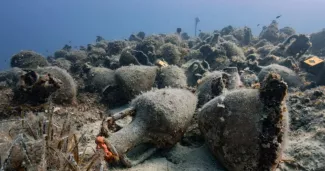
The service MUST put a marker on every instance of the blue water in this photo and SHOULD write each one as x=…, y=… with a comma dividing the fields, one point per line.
x=46, y=25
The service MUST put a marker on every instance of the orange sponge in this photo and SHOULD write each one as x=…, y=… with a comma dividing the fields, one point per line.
x=109, y=156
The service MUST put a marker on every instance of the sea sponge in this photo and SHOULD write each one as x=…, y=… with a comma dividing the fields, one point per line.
x=116, y=47
x=170, y=53
x=172, y=76
x=68, y=91
x=135, y=79
x=246, y=129
x=289, y=76
x=76, y=55
x=98, y=78
x=28, y=59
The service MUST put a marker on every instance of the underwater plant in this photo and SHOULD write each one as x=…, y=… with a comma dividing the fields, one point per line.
x=40, y=144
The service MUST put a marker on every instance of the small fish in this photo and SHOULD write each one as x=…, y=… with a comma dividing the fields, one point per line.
x=198, y=75
x=69, y=41
x=200, y=31
x=277, y=17
x=258, y=25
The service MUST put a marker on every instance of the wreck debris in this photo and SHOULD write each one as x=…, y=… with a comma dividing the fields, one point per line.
x=35, y=88
x=68, y=91
x=313, y=64
x=196, y=71
x=212, y=85
x=135, y=79
x=161, y=118
x=28, y=59
x=111, y=73
x=289, y=76
x=171, y=76
x=298, y=47
x=240, y=140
